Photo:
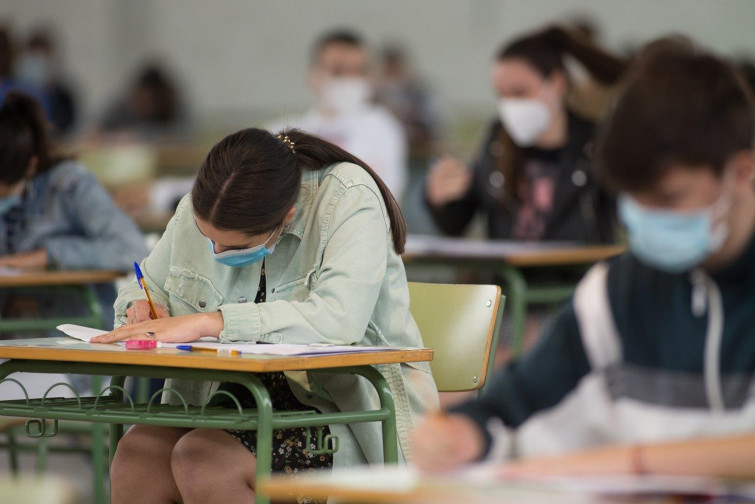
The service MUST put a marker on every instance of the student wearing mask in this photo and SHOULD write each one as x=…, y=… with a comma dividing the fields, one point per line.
x=39, y=68
x=532, y=178
x=341, y=77
x=657, y=348
x=285, y=239
x=53, y=213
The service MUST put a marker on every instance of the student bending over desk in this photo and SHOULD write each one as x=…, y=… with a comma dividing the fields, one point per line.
x=283, y=239
x=54, y=214
x=658, y=345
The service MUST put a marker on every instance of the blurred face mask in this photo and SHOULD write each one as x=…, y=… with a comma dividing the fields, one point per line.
x=10, y=201
x=525, y=119
x=674, y=241
x=34, y=69
x=244, y=257
x=343, y=95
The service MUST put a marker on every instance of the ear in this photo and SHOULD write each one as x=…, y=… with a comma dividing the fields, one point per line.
x=290, y=215
x=31, y=170
x=743, y=165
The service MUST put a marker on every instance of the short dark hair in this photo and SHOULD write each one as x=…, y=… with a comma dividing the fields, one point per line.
x=24, y=133
x=340, y=36
x=677, y=106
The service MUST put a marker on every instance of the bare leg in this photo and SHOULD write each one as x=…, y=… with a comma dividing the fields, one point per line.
x=210, y=465
x=141, y=468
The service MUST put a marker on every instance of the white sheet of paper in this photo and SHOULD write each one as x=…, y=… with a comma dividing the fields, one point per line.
x=290, y=349
x=7, y=271
x=80, y=332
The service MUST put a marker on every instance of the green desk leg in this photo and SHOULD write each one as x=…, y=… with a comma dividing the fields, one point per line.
x=264, y=431
x=390, y=434
x=517, y=302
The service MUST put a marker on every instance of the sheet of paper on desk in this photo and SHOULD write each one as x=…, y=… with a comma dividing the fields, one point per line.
x=80, y=332
x=290, y=349
x=6, y=271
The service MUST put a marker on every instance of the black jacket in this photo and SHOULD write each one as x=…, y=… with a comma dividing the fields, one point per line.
x=581, y=210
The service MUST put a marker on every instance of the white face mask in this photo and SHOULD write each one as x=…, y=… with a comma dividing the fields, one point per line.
x=525, y=119
x=346, y=94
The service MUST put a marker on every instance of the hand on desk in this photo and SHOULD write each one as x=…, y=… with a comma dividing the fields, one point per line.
x=442, y=442
x=36, y=259
x=169, y=329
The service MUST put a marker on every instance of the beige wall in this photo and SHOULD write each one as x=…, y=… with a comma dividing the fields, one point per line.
x=242, y=60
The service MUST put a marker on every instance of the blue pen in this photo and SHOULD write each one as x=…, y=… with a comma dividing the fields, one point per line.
x=219, y=351
x=143, y=285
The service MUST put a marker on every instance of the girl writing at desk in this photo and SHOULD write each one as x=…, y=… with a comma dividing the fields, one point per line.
x=283, y=239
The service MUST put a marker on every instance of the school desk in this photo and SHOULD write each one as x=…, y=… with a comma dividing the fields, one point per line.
x=115, y=406
x=512, y=260
x=63, y=282
x=480, y=485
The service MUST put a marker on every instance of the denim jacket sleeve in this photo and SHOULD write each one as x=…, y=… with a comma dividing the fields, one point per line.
x=109, y=239
x=355, y=233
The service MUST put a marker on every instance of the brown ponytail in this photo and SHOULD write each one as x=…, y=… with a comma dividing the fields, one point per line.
x=251, y=179
x=24, y=133
x=545, y=51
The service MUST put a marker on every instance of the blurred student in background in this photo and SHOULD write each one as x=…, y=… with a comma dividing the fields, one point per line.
x=402, y=91
x=53, y=213
x=39, y=67
x=150, y=107
x=655, y=354
x=342, y=80
x=532, y=178
x=8, y=70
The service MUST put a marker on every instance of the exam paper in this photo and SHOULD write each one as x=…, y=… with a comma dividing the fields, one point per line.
x=290, y=349
x=80, y=332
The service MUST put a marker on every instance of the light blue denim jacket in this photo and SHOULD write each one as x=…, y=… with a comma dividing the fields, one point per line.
x=68, y=213
x=334, y=277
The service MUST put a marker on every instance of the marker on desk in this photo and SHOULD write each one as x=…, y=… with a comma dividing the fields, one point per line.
x=220, y=351
x=143, y=285
x=142, y=344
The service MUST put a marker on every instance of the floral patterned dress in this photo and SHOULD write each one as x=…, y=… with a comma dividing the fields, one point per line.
x=290, y=453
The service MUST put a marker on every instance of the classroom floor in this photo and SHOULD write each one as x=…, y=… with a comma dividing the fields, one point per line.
x=74, y=469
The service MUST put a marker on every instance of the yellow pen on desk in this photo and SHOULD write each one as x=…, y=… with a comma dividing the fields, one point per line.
x=219, y=351
x=143, y=285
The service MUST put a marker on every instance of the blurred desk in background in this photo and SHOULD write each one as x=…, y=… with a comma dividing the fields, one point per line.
x=66, y=283
x=513, y=261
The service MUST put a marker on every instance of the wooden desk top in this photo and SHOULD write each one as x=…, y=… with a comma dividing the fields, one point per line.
x=70, y=350
x=515, y=253
x=374, y=485
x=42, y=278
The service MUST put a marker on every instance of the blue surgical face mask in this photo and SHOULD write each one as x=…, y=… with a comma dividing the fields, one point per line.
x=244, y=257
x=674, y=241
x=9, y=202
x=13, y=199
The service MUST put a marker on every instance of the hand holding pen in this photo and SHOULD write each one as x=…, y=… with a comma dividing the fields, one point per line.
x=143, y=310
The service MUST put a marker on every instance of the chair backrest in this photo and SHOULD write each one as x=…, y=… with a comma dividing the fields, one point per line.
x=461, y=323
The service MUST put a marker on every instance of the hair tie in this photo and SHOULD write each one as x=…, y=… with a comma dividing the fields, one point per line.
x=287, y=142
